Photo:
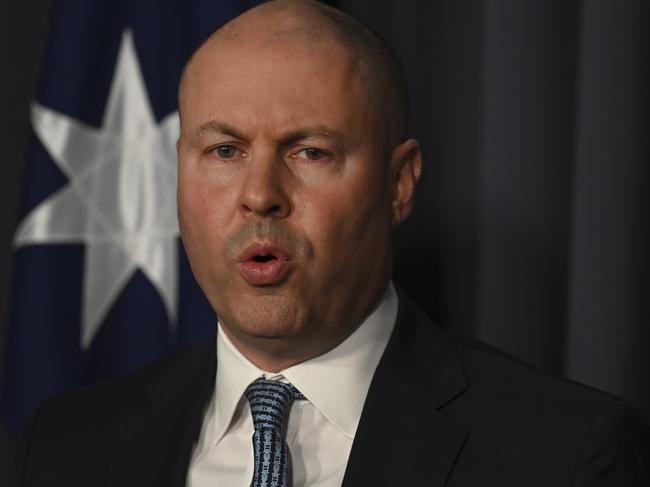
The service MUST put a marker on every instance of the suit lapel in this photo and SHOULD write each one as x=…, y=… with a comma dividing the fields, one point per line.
x=153, y=443
x=402, y=438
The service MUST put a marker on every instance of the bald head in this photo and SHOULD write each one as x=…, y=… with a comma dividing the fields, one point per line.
x=313, y=24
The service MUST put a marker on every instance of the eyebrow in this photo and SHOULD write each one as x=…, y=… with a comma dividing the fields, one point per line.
x=224, y=128
x=220, y=128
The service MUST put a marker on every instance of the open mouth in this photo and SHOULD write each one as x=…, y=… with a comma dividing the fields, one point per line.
x=264, y=258
x=264, y=265
x=263, y=253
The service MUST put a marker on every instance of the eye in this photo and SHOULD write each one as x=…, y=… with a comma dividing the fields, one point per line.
x=314, y=154
x=224, y=151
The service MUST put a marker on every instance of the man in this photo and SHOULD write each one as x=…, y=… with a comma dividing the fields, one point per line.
x=293, y=169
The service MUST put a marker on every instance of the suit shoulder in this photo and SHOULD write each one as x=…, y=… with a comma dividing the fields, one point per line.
x=540, y=421
x=506, y=396
x=489, y=369
x=78, y=434
x=492, y=376
x=121, y=395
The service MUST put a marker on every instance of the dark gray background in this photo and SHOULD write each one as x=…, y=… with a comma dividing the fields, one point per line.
x=531, y=225
x=23, y=29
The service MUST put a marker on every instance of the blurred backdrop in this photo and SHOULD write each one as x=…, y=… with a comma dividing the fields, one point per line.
x=531, y=227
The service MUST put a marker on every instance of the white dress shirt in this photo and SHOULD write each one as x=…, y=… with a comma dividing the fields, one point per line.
x=320, y=430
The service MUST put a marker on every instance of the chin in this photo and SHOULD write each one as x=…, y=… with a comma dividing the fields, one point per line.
x=269, y=316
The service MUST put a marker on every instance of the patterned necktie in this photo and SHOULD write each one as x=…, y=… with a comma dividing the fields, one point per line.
x=270, y=404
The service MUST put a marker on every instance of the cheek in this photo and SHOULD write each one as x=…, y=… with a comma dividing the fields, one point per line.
x=345, y=222
x=203, y=216
x=201, y=202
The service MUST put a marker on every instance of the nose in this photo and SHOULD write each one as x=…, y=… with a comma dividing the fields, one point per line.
x=263, y=193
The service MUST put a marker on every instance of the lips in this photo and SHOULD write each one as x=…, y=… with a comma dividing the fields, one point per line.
x=263, y=265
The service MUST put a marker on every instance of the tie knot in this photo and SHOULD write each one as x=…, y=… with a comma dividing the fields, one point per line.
x=270, y=401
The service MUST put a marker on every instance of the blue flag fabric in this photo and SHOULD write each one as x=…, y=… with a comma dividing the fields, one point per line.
x=93, y=295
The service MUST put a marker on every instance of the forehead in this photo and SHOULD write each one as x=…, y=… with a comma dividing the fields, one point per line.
x=279, y=79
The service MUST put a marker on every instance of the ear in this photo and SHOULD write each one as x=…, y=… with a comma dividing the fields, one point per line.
x=406, y=167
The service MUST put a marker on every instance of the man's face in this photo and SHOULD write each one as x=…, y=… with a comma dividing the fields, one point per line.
x=284, y=192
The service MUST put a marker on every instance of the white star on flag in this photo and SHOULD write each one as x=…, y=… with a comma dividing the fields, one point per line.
x=120, y=200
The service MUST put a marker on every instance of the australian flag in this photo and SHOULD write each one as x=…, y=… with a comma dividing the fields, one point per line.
x=101, y=284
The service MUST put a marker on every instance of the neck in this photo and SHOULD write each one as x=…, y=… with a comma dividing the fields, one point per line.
x=277, y=353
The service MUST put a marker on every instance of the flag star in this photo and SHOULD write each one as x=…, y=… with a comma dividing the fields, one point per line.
x=120, y=200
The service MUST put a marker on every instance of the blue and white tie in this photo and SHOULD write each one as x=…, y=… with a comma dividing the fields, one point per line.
x=270, y=403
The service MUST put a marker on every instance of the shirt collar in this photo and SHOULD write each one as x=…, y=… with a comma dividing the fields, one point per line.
x=336, y=383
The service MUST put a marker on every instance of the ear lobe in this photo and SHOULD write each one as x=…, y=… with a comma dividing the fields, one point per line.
x=406, y=167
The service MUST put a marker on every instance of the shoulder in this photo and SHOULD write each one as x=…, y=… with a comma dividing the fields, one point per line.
x=123, y=395
x=553, y=426
x=522, y=423
x=513, y=391
x=78, y=418
x=492, y=373
x=77, y=434
x=493, y=376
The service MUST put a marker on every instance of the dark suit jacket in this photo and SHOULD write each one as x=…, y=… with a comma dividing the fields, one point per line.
x=440, y=411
